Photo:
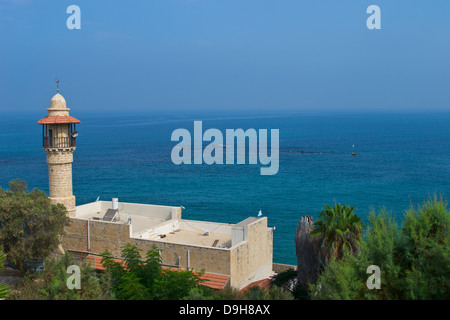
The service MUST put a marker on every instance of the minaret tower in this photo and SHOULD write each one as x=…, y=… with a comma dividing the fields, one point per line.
x=59, y=142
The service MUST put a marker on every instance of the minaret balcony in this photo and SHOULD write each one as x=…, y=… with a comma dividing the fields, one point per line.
x=59, y=142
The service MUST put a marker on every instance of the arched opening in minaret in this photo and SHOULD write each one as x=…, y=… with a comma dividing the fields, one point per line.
x=50, y=138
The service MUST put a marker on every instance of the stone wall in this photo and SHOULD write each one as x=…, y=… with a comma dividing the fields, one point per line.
x=112, y=236
x=60, y=178
x=249, y=261
x=280, y=267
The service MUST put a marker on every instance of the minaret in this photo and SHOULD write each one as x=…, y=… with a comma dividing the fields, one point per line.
x=59, y=142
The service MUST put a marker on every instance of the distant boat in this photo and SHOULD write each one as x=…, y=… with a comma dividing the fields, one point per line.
x=353, y=151
x=308, y=152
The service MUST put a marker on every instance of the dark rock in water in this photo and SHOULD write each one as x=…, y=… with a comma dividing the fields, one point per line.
x=307, y=250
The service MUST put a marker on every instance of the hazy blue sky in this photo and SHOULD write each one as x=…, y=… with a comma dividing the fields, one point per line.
x=226, y=55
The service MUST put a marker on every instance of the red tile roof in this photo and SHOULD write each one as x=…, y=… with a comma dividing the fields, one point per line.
x=214, y=281
x=96, y=262
x=58, y=120
x=265, y=283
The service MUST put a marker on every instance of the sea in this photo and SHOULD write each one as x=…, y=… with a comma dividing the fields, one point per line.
x=403, y=159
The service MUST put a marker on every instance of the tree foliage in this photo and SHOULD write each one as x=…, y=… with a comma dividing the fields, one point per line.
x=146, y=279
x=340, y=231
x=4, y=289
x=414, y=258
x=30, y=226
x=425, y=251
x=274, y=293
x=51, y=283
x=288, y=281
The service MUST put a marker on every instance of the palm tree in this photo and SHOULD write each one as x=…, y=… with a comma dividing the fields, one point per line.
x=340, y=230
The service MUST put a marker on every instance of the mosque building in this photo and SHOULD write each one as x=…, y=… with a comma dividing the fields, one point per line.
x=234, y=254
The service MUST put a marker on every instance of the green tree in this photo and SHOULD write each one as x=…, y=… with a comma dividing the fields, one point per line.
x=228, y=293
x=339, y=229
x=51, y=283
x=345, y=279
x=202, y=293
x=274, y=293
x=30, y=226
x=425, y=251
x=287, y=280
x=138, y=279
x=381, y=247
x=414, y=258
x=4, y=289
x=340, y=280
x=256, y=293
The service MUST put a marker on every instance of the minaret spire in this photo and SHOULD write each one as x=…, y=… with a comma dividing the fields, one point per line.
x=57, y=85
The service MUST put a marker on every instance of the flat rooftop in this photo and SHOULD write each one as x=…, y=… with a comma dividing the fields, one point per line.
x=180, y=236
x=160, y=223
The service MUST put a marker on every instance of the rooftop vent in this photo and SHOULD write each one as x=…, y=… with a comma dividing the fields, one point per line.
x=115, y=203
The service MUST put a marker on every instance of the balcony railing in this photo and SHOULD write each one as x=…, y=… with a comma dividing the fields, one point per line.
x=64, y=142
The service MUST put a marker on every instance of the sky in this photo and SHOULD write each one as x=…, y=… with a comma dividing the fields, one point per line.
x=225, y=55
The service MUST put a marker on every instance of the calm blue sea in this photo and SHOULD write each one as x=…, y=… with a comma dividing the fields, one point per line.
x=403, y=158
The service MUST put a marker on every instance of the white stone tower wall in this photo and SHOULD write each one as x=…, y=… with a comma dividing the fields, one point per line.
x=60, y=178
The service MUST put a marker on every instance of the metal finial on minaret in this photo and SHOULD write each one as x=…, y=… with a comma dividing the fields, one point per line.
x=57, y=85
